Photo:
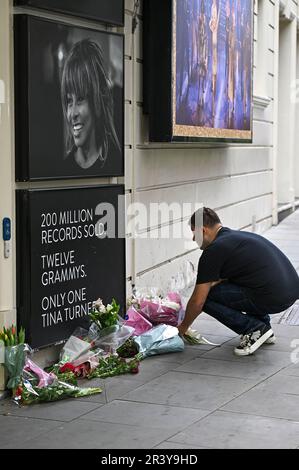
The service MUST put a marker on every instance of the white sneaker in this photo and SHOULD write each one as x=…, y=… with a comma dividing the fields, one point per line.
x=252, y=341
x=271, y=340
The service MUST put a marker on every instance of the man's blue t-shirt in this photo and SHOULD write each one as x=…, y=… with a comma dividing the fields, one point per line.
x=252, y=262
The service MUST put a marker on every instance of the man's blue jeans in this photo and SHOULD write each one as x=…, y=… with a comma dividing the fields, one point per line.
x=226, y=302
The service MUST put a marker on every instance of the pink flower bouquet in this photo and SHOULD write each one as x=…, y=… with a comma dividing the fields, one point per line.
x=137, y=321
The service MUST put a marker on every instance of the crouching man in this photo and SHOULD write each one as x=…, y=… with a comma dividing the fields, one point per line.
x=242, y=279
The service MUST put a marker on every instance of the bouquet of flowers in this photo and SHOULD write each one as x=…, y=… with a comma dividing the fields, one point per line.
x=128, y=349
x=137, y=321
x=77, y=344
x=108, y=330
x=36, y=385
x=104, y=315
x=41, y=378
x=27, y=393
x=115, y=365
x=79, y=367
x=15, y=353
x=161, y=339
x=10, y=337
x=158, y=309
x=193, y=337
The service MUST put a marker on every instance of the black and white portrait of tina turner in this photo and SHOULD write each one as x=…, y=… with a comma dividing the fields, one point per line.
x=87, y=101
x=75, y=96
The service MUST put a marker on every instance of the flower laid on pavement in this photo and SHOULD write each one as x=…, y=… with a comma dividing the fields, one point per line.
x=114, y=365
x=27, y=394
x=128, y=349
x=194, y=337
x=44, y=379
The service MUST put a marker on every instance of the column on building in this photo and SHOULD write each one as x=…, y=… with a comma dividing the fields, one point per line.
x=286, y=108
x=7, y=307
x=296, y=153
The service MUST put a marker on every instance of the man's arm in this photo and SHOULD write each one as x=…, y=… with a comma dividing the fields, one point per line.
x=195, y=305
x=217, y=282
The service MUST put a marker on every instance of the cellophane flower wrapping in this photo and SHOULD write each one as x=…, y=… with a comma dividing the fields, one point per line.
x=77, y=344
x=137, y=321
x=27, y=393
x=112, y=337
x=2, y=352
x=44, y=379
x=91, y=357
x=161, y=339
x=15, y=357
x=157, y=309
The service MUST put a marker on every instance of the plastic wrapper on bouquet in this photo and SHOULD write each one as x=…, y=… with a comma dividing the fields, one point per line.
x=27, y=393
x=77, y=344
x=42, y=378
x=36, y=386
x=110, y=338
x=158, y=309
x=137, y=321
x=15, y=357
x=161, y=339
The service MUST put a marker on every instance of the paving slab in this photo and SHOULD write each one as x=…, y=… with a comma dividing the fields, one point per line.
x=276, y=317
x=288, y=331
x=223, y=430
x=189, y=352
x=155, y=416
x=276, y=397
x=291, y=370
x=257, y=370
x=283, y=344
x=173, y=445
x=16, y=431
x=116, y=387
x=83, y=434
x=64, y=410
x=265, y=356
x=205, y=392
x=212, y=327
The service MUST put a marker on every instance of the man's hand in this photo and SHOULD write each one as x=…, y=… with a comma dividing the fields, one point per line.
x=195, y=305
x=182, y=329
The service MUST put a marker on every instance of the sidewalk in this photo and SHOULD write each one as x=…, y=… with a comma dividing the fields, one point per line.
x=204, y=397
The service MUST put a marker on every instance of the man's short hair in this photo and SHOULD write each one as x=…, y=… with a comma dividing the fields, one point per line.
x=206, y=217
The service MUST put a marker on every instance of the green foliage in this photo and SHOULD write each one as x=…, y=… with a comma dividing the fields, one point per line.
x=128, y=349
x=105, y=316
x=114, y=365
x=10, y=337
x=55, y=392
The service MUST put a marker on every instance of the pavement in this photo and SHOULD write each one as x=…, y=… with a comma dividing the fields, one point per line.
x=202, y=398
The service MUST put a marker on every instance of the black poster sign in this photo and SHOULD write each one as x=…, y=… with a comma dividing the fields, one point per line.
x=68, y=100
x=69, y=253
x=108, y=11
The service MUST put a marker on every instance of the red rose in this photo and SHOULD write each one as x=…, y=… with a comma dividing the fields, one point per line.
x=19, y=391
x=67, y=367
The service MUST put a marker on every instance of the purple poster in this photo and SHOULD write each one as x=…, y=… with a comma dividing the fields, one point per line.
x=212, y=68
